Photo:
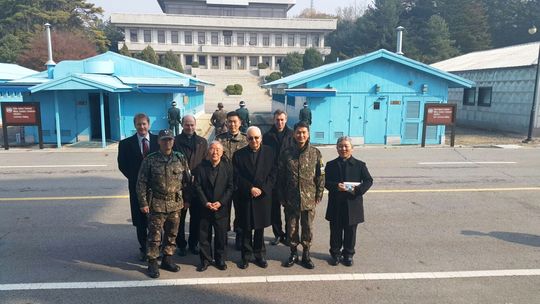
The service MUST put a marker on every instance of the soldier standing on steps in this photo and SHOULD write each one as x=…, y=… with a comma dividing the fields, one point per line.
x=218, y=120
x=243, y=113
x=173, y=117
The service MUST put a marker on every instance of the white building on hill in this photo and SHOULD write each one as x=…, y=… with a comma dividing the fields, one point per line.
x=225, y=34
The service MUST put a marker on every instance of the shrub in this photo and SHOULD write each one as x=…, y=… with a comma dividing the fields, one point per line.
x=273, y=76
x=195, y=64
x=234, y=89
x=262, y=66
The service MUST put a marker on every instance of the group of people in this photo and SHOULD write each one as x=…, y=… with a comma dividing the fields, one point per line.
x=256, y=174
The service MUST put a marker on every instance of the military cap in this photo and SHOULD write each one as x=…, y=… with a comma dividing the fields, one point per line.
x=173, y=103
x=242, y=103
x=220, y=105
x=165, y=133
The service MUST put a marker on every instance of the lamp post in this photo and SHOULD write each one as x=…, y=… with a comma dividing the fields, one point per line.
x=532, y=119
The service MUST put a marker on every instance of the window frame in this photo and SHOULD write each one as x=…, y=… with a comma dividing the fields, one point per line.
x=190, y=35
x=466, y=98
x=145, y=32
x=161, y=36
x=481, y=96
x=134, y=33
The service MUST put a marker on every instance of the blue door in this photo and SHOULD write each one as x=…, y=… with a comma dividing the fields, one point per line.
x=413, y=118
x=375, y=119
x=358, y=107
x=339, y=117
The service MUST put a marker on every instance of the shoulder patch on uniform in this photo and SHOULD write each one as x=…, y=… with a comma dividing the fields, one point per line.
x=152, y=154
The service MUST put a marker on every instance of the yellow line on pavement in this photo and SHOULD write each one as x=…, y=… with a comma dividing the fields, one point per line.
x=75, y=198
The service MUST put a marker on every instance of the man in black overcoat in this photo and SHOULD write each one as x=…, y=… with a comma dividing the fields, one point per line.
x=213, y=185
x=279, y=138
x=255, y=174
x=347, y=180
x=131, y=152
x=194, y=148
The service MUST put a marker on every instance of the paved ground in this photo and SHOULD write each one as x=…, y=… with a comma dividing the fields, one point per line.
x=442, y=225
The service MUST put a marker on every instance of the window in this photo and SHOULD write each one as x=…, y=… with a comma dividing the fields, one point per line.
x=240, y=39
x=253, y=39
x=188, y=38
x=303, y=40
x=161, y=36
x=214, y=38
x=227, y=40
x=147, y=36
x=278, y=40
x=174, y=36
x=201, y=38
x=134, y=35
x=290, y=40
x=266, y=39
x=202, y=60
x=253, y=61
x=215, y=62
x=315, y=40
x=267, y=60
x=469, y=95
x=189, y=59
x=484, y=96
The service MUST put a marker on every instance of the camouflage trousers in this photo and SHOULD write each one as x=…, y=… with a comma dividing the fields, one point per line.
x=296, y=220
x=168, y=222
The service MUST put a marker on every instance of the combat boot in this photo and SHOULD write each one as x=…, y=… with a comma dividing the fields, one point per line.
x=293, y=258
x=168, y=264
x=306, y=260
x=153, y=269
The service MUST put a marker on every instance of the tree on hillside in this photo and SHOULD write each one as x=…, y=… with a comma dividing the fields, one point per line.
x=113, y=35
x=342, y=41
x=351, y=12
x=291, y=64
x=376, y=28
x=10, y=48
x=148, y=55
x=437, y=44
x=314, y=14
x=171, y=61
x=25, y=18
x=66, y=46
x=312, y=59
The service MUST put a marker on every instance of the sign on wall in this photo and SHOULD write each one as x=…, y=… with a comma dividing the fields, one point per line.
x=21, y=114
x=439, y=114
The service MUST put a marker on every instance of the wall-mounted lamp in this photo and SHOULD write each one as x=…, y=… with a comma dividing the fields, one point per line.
x=328, y=86
x=424, y=88
x=377, y=88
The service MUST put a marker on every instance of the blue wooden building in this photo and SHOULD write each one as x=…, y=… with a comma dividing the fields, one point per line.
x=8, y=72
x=97, y=98
x=377, y=98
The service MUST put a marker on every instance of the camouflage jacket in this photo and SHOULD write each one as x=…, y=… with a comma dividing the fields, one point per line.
x=300, y=177
x=232, y=143
x=161, y=180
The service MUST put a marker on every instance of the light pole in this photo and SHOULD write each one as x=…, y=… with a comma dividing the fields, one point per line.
x=532, y=119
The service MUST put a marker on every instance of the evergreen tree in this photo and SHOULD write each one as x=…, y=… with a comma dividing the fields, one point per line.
x=171, y=61
x=10, y=48
x=148, y=55
x=342, y=41
x=437, y=43
x=125, y=51
x=291, y=64
x=312, y=59
x=509, y=20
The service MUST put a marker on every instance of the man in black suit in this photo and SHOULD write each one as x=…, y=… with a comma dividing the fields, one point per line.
x=254, y=173
x=347, y=180
x=194, y=149
x=279, y=138
x=131, y=152
x=213, y=185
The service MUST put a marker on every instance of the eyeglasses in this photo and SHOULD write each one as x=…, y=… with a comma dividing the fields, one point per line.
x=253, y=137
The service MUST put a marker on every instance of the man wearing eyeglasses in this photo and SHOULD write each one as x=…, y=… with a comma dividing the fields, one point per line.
x=255, y=173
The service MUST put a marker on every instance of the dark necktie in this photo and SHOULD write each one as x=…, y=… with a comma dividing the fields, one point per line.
x=145, y=147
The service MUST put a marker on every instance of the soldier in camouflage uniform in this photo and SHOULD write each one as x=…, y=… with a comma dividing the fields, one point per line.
x=243, y=113
x=301, y=184
x=219, y=120
x=232, y=141
x=162, y=177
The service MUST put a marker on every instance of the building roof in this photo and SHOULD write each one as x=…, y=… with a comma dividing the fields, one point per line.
x=237, y=2
x=332, y=68
x=83, y=82
x=507, y=57
x=10, y=71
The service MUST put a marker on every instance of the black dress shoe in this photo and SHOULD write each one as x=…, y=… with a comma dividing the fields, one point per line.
x=153, y=269
x=181, y=251
x=203, y=266
x=168, y=264
x=334, y=260
x=221, y=265
x=243, y=264
x=261, y=262
x=347, y=261
x=293, y=258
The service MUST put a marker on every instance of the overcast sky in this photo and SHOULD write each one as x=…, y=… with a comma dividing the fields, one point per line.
x=151, y=6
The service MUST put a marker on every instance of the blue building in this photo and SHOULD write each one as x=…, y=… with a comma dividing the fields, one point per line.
x=377, y=98
x=8, y=72
x=97, y=98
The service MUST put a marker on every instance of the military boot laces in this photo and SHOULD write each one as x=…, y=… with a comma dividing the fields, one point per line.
x=169, y=265
x=306, y=260
x=293, y=258
x=153, y=269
